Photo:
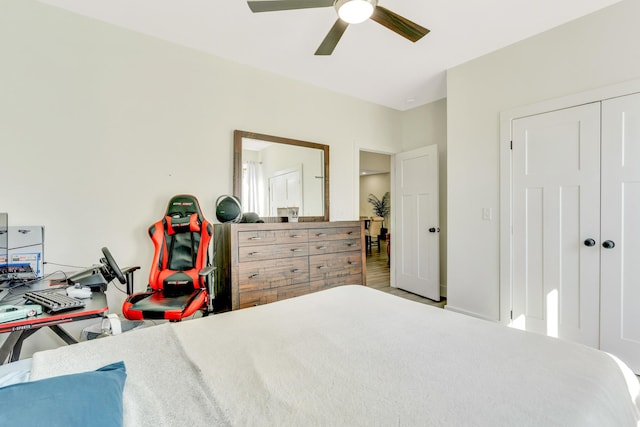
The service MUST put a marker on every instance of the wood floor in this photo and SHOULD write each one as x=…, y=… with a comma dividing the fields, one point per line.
x=378, y=277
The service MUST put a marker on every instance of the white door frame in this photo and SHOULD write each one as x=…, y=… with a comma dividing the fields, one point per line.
x=506, y=118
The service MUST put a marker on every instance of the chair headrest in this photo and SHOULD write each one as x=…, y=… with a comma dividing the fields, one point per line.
x=181, y=224
x=183, y=205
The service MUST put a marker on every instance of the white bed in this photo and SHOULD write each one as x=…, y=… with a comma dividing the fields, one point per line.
x=354, y=356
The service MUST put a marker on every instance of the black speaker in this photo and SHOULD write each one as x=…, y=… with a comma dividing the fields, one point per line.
x=228, y=209
x=251, y=217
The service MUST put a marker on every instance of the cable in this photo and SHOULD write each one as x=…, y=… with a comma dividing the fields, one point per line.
x=63, y=265
x=115, y=285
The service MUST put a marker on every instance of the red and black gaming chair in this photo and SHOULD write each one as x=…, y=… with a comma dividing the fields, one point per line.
x=180, y=279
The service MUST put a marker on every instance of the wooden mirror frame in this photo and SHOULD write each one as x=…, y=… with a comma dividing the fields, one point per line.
x=237, y=168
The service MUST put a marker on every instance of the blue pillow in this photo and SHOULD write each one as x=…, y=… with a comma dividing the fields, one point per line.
x=86, y=399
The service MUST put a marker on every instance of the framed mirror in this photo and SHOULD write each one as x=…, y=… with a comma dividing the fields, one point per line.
x=281, y=179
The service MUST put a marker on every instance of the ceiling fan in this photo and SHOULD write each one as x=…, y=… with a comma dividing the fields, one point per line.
x=349, y=12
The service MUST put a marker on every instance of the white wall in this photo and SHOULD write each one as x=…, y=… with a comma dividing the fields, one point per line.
x=99, y=126
x=588, y=53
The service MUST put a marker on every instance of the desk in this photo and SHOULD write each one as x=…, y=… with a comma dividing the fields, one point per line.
x=21, y=329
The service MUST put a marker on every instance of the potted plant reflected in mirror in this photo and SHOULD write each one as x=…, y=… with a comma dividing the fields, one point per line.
x=381, y=208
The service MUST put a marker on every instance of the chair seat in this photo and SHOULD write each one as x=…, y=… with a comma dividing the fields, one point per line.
x=154, y=305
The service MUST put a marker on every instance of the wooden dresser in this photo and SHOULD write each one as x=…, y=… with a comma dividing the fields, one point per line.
x=262, y=263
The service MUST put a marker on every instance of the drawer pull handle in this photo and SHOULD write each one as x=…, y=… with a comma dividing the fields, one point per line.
x=321, y=234
x=351, y=244
x=254, y=275
x=352, y=263
x=321, y=267
x=322, y=247
x=254, y=253
x=296, y=250
x=296, y=236
x=350, y=233
x=295, y=270
x=255, y=238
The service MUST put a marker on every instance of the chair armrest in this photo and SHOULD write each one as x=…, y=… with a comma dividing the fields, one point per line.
x=207, y=273
x=128, y=274
x=207, y=270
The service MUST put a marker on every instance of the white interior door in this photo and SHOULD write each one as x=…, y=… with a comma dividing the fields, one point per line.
x=285, y=190
x=415, y=242
x=620, y=320
x=556, y=209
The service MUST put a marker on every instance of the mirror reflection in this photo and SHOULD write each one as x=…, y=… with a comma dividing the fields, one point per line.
x=281, y=177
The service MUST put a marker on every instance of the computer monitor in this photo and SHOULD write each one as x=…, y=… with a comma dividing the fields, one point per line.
x=4, y=246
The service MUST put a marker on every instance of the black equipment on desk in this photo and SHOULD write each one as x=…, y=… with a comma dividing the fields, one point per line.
x=98, y=276
x=53, y=301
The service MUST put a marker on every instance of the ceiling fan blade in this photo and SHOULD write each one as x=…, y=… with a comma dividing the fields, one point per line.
x=396, y=23
x=333, y=37
x=274, y=5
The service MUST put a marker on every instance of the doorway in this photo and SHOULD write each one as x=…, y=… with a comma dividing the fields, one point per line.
x=375, y=182
x=375, y=177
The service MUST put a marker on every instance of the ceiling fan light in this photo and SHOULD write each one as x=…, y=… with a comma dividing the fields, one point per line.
x=355, y=11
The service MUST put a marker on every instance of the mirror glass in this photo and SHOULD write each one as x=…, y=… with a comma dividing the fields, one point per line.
x=278, y=177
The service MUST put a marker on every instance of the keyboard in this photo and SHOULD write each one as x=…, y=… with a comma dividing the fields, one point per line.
x=53, y=301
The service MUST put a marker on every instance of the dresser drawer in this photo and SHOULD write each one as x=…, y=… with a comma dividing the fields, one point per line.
x=325, y=267
x=332, y=282
x=253, y=298
x=272, y=273
x=291, y=291
x=332, y=246
x=265, y=296
x=335, y=233
x=272, y=237
x=258, y=253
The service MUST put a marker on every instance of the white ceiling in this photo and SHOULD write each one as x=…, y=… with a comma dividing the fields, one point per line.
x=370, y=62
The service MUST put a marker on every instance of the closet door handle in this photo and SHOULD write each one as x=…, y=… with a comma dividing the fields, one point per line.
x=608, y=244
x=589, y=242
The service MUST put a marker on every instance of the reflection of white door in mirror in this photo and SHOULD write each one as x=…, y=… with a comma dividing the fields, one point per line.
x=285, y=190
x=275, y=160
x=257, y=157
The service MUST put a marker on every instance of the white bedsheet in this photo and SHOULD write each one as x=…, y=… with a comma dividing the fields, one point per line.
x=355, y=356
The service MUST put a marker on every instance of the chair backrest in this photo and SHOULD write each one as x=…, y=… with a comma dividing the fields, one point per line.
x=181, y=242
x=376, y=226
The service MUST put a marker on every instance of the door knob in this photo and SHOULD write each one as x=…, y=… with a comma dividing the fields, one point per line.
x=589, y=242
x=608, y=244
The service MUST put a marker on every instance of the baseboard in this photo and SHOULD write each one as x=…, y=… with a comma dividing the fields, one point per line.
x=468, y=313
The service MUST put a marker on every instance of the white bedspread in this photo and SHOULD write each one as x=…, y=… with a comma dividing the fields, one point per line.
x=355, y=356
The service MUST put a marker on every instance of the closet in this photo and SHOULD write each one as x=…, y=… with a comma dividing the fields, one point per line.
x=575, y=225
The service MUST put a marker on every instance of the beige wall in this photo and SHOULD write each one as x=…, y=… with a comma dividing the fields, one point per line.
x=99, y=126
x=588, y=53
